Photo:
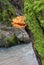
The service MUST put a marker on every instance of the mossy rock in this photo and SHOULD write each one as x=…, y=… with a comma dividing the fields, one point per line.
x=7, y=39
x=7, y=11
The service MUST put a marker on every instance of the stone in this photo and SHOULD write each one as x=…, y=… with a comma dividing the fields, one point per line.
x=21, y=34
x=18, y=55
x=19, y=3
x=10, y=36
x=7, y=39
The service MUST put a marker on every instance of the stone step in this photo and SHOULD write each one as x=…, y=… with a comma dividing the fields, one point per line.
x=18, y=55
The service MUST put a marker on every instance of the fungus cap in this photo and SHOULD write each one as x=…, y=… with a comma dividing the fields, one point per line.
x=19, y=22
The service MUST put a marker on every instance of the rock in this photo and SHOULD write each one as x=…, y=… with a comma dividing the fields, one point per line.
x=18, y=3
x=7, y=12
x=10, y=36
x=7, y=39
x=19, y=6
x=21, y=34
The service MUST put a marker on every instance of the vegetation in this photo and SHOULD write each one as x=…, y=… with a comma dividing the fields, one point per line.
x=7, y=11
x=11, y=40
x=34, y=12
x=7, y=40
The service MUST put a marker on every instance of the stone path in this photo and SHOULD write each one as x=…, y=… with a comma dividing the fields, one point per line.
x=18, y=55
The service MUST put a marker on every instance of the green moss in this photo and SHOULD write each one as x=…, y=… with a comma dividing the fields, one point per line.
x=30, y=8
x=7, y=11
x=7, y=40
x=11, y=40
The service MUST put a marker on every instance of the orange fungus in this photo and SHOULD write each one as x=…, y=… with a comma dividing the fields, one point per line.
x=19, y=22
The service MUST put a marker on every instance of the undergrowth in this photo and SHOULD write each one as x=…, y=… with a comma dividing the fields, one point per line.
x=33, y=11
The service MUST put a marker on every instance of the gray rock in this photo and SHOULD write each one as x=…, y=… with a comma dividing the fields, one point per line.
x=19, y=3
x=7, y=39
x=19, y=55
x=21, y=34
x=10, y=36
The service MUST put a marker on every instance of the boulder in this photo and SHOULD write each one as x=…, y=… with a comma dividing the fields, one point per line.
x=10, y=36
x=7, y=39
x=21, y=35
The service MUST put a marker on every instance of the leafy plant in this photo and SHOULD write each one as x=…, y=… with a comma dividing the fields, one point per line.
x=33, y=10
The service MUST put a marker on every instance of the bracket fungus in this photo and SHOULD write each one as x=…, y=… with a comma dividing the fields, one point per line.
x=18, y=22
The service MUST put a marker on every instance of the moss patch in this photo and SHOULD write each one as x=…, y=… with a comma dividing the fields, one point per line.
x=32, y=7
x=7, y=12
